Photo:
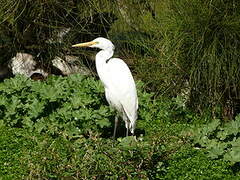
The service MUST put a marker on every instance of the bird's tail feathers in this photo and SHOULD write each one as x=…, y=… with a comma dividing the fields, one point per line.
x=130, y=121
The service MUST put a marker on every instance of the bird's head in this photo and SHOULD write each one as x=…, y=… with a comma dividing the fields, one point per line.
x=100, y=42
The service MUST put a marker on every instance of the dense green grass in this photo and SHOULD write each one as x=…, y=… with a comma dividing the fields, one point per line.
x=12, y=148
x=31, y=155
x=189, y=163
x=189, y=43
x=61, y=147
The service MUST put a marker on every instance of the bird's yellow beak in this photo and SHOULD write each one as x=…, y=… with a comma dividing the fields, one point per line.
x=86, y=44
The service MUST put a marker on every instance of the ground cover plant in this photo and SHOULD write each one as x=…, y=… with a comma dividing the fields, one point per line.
x=220, y=140
x=67, y=135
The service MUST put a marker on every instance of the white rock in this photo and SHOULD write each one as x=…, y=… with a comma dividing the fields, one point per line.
x=24, y=64
x=70, y=65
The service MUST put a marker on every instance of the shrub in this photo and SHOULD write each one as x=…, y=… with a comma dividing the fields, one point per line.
x=73, y=105
x=221, y=142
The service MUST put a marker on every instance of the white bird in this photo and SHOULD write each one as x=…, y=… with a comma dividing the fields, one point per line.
x=120, y=88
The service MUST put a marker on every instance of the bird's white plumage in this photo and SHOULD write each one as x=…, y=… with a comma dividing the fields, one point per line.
x=120, y=88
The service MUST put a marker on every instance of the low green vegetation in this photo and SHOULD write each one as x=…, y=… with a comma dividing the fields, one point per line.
x=61, y=129
x=220, y=141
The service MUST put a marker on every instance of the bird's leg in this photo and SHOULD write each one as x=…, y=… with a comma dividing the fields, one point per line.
x=125, y=119
x=115, y=126
x=127, y=132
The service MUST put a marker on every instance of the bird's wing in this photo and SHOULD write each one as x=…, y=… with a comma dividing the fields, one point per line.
x=122, y=84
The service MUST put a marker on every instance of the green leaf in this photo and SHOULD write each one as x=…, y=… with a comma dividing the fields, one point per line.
x=27, y=123
x=216, y=149
x=211, y=127
x=236, y=143
x=35, y=108
x=40, y=125
x=233, y=155
x=128, y=143
x=103, y=123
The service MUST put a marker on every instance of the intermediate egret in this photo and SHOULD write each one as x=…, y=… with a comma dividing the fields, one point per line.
x=120, y=88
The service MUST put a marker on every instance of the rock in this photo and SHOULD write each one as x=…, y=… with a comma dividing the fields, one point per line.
x=70, y=65
x=24, y=64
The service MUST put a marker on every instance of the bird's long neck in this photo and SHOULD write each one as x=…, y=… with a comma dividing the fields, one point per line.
x=102, y=58
x=104, y=55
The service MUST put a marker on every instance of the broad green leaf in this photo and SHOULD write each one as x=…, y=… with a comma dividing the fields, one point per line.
x=216, y=149
x=128, y=143
x=233, y=155
x=103, y=123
